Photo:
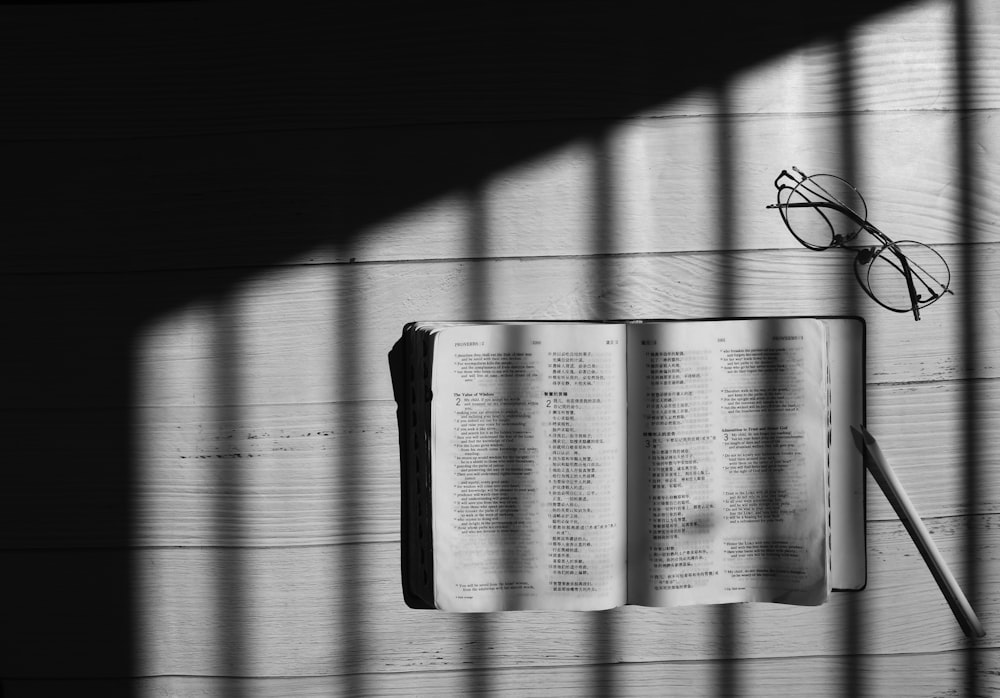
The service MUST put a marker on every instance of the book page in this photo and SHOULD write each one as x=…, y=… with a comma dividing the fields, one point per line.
x=728, y=462
x=528, y=467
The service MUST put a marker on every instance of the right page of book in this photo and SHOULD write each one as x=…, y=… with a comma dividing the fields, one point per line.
x=728, y=462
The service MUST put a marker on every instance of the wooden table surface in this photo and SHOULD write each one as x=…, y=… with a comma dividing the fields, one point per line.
x=218, y=218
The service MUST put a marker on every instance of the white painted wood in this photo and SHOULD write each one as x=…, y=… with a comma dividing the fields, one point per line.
x=346, y=600
x=912, y=676
x=338, y=609
x=212, y=249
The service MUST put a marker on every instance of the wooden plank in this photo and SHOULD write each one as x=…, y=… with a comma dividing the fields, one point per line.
x=483, y=190
x=338, y=610
x=317, y=334
x=294, y=335
x=901, y=59
x=964, y=672
x=297, y=475
x=347, y=602
x=114, y=72
x=912, y=676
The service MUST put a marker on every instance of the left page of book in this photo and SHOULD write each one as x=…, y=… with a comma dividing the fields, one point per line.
x=528, y=447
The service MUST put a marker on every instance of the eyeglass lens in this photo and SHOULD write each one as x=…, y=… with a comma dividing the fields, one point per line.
x=822, y=211
x=883, y=276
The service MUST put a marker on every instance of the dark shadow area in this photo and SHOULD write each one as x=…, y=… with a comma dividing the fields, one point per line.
x=355, y=647
x=159, y=153
x=852, y=643
x=972, y=342
x=478, y=639
x=603, y=636
x=728, y=682
x=233, y=612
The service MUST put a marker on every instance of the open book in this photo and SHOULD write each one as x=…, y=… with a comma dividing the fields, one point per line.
x=585, y=466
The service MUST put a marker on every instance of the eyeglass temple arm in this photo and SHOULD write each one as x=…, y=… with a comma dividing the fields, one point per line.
x=864, y=224
x=908, y=275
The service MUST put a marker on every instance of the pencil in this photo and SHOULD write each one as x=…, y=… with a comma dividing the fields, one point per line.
x=894, y=492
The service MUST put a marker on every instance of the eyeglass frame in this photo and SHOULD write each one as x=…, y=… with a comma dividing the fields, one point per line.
x=865, y=254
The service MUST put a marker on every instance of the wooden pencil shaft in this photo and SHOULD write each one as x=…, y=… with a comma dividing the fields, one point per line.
x=894, y=492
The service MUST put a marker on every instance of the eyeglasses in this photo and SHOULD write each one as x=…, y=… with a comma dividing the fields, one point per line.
x=824, y=211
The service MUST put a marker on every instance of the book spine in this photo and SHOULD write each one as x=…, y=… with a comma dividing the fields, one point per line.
x=413, y=410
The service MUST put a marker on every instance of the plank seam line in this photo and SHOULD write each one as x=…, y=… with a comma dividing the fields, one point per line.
x=353, y=261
